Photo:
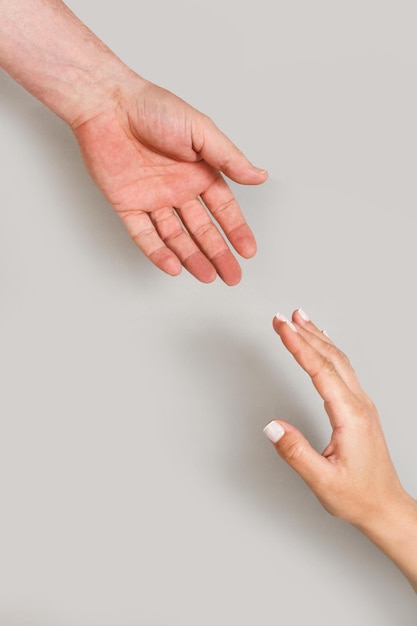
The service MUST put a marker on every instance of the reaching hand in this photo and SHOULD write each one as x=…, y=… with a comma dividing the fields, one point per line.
x=354, y=477
x=159, y=162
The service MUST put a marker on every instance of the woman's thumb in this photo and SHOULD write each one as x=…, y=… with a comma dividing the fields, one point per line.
x=294, y=448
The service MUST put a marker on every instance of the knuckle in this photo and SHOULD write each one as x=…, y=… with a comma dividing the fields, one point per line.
x=324, y=366
x=337, y=356
x=291, y=450
x=206, y=118
x=329, y=366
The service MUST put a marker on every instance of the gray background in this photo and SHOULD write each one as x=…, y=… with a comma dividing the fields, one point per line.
x=136, y=485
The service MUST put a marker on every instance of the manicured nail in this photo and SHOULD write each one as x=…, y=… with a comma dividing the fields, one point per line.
x=324, y=333
x=303, y=315
x=274, y=431
x=282, y=318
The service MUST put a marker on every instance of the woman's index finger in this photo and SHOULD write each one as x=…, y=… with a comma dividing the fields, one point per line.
x=327, y=380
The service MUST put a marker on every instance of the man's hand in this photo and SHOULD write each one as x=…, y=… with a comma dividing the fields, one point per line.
x=157, y=159
x=159, y=162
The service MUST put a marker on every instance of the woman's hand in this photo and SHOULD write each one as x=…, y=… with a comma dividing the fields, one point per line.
x=354, y=478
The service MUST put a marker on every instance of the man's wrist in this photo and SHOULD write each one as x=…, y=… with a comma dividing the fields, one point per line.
x=94, y=90
x=53, y=55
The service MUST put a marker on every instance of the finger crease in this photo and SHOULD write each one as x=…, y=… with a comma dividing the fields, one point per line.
x=147, y=232
x=223, y=207
x=203, y=230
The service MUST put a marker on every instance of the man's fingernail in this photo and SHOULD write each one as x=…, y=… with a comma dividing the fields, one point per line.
x=274, y=431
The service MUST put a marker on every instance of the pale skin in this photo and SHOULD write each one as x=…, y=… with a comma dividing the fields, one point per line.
x=158, y=161
x=354, y=478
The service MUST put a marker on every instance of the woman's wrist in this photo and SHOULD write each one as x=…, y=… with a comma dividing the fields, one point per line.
x=394, y=531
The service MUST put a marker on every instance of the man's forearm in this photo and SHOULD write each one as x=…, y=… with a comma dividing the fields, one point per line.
x=53, y=55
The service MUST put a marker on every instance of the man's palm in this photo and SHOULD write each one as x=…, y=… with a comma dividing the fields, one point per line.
x=147, y=157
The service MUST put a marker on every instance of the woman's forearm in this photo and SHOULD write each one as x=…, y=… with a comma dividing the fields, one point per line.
x=53, y=55
x=354, y=478
x=394, y=532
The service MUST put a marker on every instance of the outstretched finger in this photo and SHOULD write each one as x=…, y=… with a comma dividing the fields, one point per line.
x=143, y=233
x=323, y=344
x=327, y=380
x=224, y=207
x=301, y=318
x=209, y=240
x=178, y=240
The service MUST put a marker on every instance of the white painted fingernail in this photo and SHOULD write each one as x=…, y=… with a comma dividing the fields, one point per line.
x=282, y=318
x=274, y=431
x=303, y=315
